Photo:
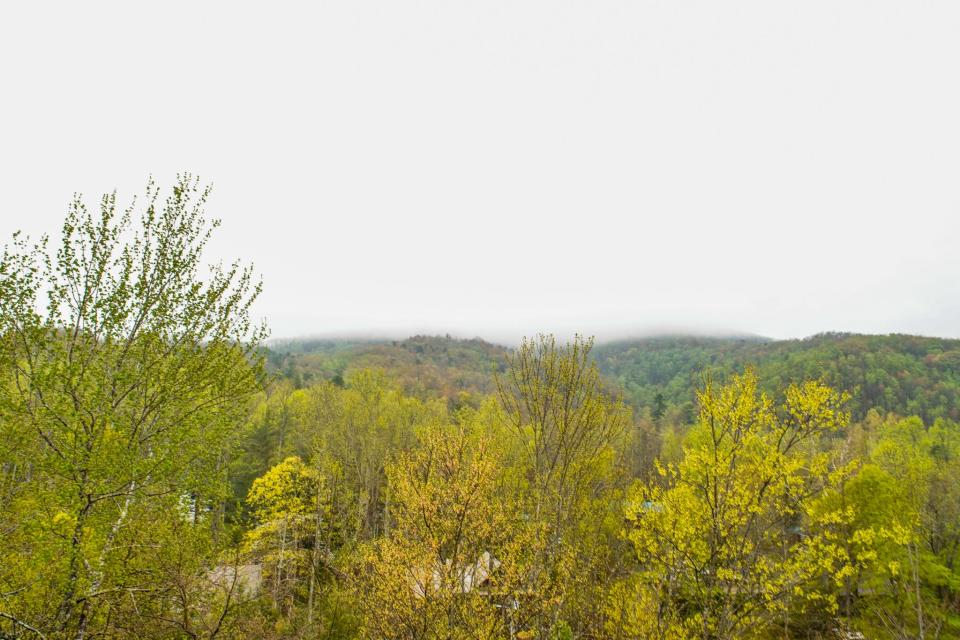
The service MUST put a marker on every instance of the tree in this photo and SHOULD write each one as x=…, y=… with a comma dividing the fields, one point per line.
x=659, y=407
x=125, y=368
x=869, y=523
x=910, y=501
x=355, y=431
x=452, y=564
x=291, y=507
x=725, y=544
x=567, y=429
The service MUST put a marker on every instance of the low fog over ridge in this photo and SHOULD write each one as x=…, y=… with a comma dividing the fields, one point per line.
x=508, y=339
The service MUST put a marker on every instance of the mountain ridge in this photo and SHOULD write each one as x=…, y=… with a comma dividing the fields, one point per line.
x=897, y=373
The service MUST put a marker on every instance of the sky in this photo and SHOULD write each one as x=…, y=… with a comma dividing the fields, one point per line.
x=498, y=169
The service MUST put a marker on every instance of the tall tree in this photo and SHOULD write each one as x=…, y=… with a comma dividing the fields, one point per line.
x=453, y=564
x=568, y=430
x=125, y=366
x=725, y=542
x=291, y=507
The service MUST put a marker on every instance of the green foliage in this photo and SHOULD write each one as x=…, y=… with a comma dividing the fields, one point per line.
x=125, y=371
x=569, y=434
x=456, y=555
x=725, y=544
x=424, y=366
x=152, y=486
x=906, y=375
x=915, y=474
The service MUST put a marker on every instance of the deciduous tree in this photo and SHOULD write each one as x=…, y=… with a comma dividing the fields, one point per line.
x=126, y=366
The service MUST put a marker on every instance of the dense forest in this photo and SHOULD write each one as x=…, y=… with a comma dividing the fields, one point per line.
x=901, y=374
x=908, y=375
x=165, y=472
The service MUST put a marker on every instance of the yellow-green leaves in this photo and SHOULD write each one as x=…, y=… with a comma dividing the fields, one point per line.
x=569, y=434
x=724, y=543
x=125, y=367
x=288, y=489
x=453, y=563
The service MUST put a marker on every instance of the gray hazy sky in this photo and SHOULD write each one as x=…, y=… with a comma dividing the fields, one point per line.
x=499, y=168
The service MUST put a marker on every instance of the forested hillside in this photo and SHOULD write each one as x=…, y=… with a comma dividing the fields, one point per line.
x=907, y=375
x=423, y=365
x=901, y=374
x=165, y=475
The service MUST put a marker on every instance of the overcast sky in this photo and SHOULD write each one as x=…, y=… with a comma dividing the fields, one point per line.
x=501, y=168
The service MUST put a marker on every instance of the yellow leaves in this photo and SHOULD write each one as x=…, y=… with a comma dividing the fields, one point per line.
x=631, y=611
x=445, y=487
x=816, y=408
x=453, y=538
x=732, y=522
x=288, y=489
x=870, y=539
x=63, y=523
x=291, y=505
x=662, y=470
x=866, y=537
x=827, y=600
x=844, y=572
x=726, y=574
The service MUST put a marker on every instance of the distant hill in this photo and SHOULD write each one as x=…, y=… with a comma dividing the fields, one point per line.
x=894, y=373
x=424, y=365
x=902, y=374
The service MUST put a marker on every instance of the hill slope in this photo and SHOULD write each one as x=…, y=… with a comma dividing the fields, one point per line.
x=424, y=365
x=895, y=373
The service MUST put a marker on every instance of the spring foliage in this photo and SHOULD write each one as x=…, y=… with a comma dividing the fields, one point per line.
x=151, y=484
